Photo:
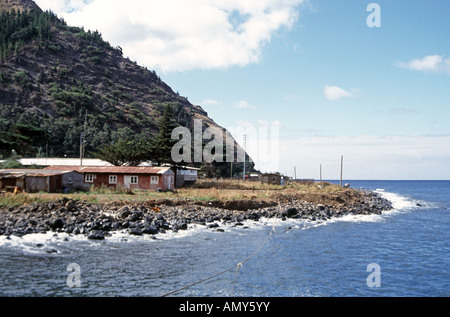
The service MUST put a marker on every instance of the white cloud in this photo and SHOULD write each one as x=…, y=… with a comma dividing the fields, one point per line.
x=243, y=105
x=210, y=102
x=177, y=35
x=334, y=93
x=431, y=63
x=368, y=157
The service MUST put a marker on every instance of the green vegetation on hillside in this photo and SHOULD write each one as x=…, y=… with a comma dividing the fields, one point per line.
x=20, y=27
x=59, y=81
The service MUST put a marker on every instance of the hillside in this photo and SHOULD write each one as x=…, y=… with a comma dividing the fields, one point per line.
x=57, y=81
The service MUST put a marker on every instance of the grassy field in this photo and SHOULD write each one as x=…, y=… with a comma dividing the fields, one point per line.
x=202, y=191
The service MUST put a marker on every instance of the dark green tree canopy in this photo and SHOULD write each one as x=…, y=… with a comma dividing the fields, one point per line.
x=162, y=144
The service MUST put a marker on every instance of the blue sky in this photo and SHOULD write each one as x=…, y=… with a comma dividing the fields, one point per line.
x=313, y=69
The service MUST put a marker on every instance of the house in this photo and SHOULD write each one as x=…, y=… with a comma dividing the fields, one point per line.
x=186, y=176
x=34, y=181
x=271, y=179
x=124, y=177
x=47, y=161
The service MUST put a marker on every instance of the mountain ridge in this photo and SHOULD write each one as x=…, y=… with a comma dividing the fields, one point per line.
x=7, y=5
x=58, y=81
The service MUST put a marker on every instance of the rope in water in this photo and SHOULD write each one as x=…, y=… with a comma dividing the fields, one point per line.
x=237, y=267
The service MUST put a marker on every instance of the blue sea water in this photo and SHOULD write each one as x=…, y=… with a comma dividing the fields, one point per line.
x=409, y=245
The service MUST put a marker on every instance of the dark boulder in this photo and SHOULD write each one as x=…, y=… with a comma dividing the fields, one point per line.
x=96, y=235
x=135, y=232
x=150, y=230
x=289, y=213
x=124, y=212
x=71, y=205
x=56, y=224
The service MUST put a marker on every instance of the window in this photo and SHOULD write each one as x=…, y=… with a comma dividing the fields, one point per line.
x=154, y=180
x=89, y=178
x=113, y=179
x=134, y=180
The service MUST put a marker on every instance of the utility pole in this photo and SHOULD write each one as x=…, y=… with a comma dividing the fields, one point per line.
x=342, y=168
x=245, y=154
x=81, y=148
x=82, y=140
x=321, y=183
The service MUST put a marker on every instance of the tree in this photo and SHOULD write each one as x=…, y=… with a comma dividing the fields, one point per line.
x=11, y=163
x=161, y=146
x=24, y=138
x=124, y=152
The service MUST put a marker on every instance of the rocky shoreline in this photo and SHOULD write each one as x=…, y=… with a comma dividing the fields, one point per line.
x=98, y=221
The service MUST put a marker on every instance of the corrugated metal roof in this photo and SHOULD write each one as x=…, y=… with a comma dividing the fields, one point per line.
x=62, y=162
x=112, y=169
x=33, y=173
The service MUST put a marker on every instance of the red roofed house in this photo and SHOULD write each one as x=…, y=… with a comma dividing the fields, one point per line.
x=144, y=178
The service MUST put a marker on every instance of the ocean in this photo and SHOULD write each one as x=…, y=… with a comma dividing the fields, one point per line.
x=402, y=253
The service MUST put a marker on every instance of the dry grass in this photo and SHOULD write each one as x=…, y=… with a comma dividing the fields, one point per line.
x=16, y=200
x=204, y=190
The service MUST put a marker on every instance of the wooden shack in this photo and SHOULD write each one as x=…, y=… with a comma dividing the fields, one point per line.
x=271, y=179
x=34, y=181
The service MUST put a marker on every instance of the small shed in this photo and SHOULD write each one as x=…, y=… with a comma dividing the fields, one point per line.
x=33, y=181
x=186, y=176
x=271, y=179
x=8, y=181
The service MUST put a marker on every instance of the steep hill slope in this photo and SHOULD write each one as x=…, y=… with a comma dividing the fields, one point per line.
x=7, y=5
x=57, y=81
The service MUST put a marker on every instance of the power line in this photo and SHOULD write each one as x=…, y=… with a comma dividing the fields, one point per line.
x=236, y=267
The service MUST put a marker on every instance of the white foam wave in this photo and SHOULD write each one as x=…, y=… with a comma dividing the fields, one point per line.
x=42, y=243
x=38, y=243
x=399, y=202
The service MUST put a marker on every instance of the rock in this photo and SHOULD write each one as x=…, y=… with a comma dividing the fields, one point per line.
x=133, y=217
x=181, y=225
x=135, y=232
x=320, y=207
x=70, y=205
x=96, y=235
x=106, y=226
x=124, y=212
x=289, y=213
x=324, y=213
x=137, y=212
x=56, y=224
x=150, y=230
x=116, y=225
